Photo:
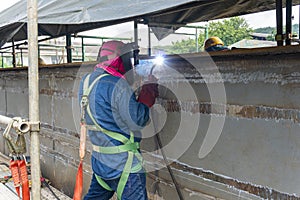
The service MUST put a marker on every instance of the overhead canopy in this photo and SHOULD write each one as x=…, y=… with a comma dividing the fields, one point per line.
x=57, y=17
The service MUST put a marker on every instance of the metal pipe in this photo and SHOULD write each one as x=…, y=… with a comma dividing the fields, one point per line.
x=82, y=49
x=33, y=87
x=22, y=61
x=149, y=41
x=2, y=60
x=196, y=38
x=69, y=48
x=14, y=53
x=17, y=123
x=206, y=32
x=135, y=26
x=288, y=22
x=102, y=38
x=279, y=35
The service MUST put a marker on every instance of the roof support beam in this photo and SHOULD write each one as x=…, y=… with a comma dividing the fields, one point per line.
x=69, y=48
x=279, y=35
x=288, y=22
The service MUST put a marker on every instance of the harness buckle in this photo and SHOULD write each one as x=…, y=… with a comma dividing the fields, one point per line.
x=84, y=101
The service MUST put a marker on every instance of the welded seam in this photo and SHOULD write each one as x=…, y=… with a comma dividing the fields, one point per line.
x=238, y=111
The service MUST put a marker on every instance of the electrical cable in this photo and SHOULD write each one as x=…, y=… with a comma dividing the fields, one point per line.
x=158, y=141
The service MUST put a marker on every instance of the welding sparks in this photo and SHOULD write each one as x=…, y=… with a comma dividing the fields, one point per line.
x=159, y=60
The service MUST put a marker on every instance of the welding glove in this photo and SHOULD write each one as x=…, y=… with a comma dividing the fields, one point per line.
x=149, y=92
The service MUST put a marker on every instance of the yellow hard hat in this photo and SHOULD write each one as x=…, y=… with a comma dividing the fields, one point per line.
x=213, y=41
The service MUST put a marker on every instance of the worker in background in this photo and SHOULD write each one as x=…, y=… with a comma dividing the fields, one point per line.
x=214, y=44
x=115, y=118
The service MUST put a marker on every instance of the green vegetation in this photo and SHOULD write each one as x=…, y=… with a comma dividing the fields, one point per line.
x=272, y=31
x=229, y=30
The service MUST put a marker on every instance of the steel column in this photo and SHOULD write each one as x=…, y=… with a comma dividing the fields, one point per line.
x=149, y=41
x=288, y=31
x=33, y=87
x=69, y=48
x=82, y=49
x=279, y=35
x=14, y=54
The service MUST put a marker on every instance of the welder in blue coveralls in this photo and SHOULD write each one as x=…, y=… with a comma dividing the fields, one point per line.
x=114, y=118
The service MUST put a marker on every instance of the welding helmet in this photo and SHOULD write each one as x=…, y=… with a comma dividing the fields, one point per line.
x=118, y=55
x=109, y=54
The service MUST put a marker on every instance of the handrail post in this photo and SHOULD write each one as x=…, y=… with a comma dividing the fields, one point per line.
x=2, y=60
x=82, y=48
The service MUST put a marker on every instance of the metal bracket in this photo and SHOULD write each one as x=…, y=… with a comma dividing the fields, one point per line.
x=35, y=126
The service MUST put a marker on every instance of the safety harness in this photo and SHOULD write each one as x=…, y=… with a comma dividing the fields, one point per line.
x=18, y=162
x=128, y=145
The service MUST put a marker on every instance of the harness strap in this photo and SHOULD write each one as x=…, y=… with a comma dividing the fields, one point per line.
x=15, y=175
x=117, y=149
x=20, y=177
x=24, y=179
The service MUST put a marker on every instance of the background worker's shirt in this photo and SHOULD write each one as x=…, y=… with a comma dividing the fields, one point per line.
x=114, y=107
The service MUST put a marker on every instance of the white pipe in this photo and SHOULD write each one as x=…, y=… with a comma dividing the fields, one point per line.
x=33, y=88
x=17, y=123
x=5, y=120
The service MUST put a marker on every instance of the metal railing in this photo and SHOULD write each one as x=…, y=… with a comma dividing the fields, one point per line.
x=15, y=56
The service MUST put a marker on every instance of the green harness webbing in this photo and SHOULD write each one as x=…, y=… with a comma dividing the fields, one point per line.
x=128, y=146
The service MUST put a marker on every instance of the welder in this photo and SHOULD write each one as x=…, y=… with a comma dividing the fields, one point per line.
x=214, y=44
x=114, y=118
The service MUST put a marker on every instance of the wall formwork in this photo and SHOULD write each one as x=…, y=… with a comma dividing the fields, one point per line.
x=244, y=104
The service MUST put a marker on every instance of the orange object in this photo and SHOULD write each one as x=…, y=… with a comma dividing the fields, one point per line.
x=79, y=178
x=79, y=182
x=24, y=179
x=15, y=175
x=19, y=175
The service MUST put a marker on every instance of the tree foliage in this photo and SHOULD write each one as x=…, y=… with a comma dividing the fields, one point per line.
x=229, y=30
x=183, y=46
x=267, y=30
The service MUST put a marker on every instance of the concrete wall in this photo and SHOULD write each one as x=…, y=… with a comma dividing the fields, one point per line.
x=253, y=155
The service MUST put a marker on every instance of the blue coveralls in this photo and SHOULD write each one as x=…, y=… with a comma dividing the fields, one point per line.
x=114, y=106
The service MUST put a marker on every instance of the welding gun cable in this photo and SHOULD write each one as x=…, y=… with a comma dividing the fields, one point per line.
x=158, y=141
x=156, y=172
x=44, y=182
x=5, y=164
